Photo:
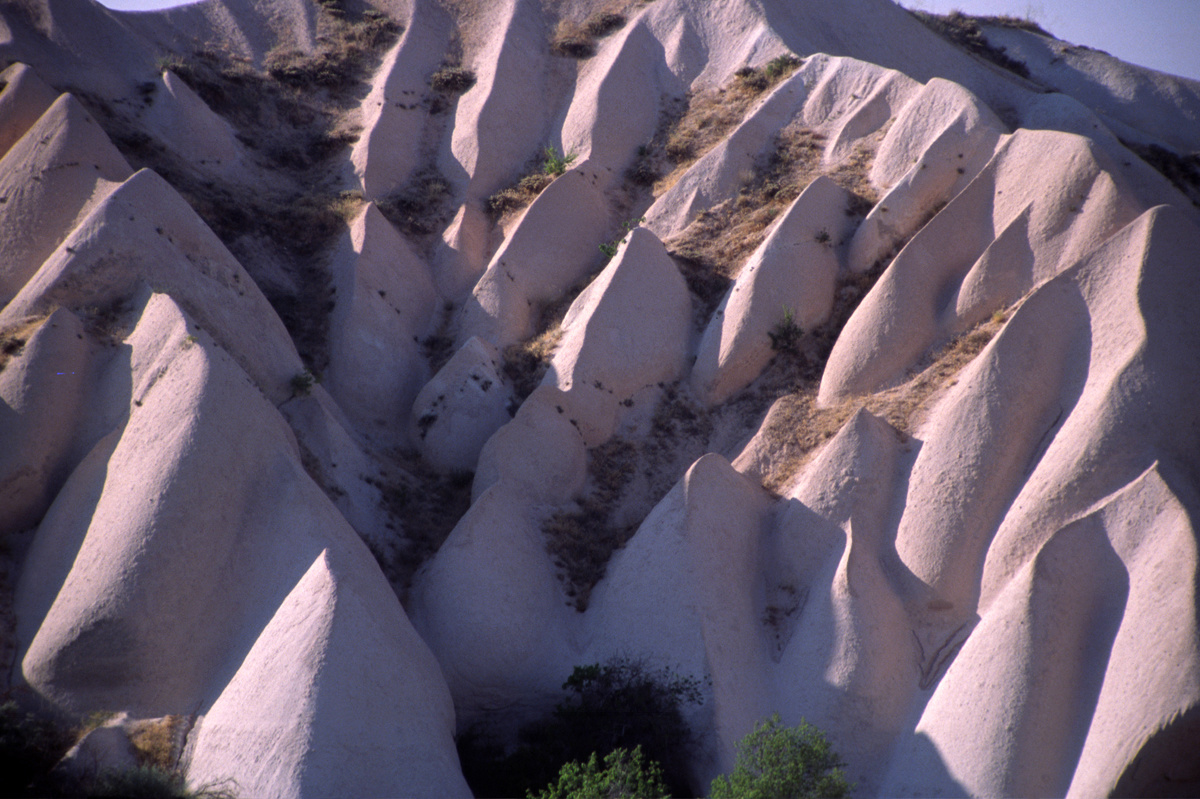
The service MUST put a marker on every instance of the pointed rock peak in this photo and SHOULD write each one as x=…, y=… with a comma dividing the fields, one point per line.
x=24, y=97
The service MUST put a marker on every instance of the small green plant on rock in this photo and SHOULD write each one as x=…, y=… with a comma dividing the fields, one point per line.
x=302, y=383
x=786, y=335
x=609, y=248
x=777, y=762
x=556, y=164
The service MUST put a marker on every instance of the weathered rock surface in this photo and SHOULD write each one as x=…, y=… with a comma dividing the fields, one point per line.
x=954, y=528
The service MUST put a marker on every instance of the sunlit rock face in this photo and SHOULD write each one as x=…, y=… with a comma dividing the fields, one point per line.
x=364, y=371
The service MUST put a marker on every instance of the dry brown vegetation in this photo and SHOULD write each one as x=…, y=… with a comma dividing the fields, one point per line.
x=577, y=38
x=522, y=193
x=796, y=427
x=420, y=208
x=582, y=540
x=290, y=117
x=965, y=31
x=155, y=742
x=704, y=121
x=711, y=250
x=14, y=338
x=423, y=506
x=526, y=363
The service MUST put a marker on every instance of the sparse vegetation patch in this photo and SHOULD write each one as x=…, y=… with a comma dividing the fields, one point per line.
x=965, y=31
x=423, y=506
x=526, y=363
x=712, y=114
x=288, y=116
x=539, y=174
x=420, y=208
x=578, y=39
x=14, y=338
x=582, y=540
x=796, y=426
x=712, y=250
x=1183, y=170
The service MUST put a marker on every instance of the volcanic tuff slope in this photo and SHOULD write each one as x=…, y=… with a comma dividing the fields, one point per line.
x=840, y=368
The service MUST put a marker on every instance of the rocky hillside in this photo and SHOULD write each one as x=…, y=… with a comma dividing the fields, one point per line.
x=368, y=365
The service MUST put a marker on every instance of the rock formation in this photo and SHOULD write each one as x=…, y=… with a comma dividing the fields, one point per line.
x=366, y=366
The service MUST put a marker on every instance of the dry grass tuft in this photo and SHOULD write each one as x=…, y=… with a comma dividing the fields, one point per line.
x=525, y=364
x=14, y=338
x=452, y=79
x=577, y=39
x=516, y=197
x=421, y=208
x=155, y=742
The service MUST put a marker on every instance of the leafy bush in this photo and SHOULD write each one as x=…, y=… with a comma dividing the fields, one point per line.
x=618, y=705
x=625, y=775
x=777, y=762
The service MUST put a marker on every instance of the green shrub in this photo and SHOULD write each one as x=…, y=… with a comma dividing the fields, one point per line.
x=29, y=747
x=621, y=704
x=626, y=775
x=777, y=762
x=302, y=383
x=556, y=164
x=786, y=335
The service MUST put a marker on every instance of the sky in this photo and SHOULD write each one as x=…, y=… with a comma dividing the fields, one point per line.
x=1160, y=34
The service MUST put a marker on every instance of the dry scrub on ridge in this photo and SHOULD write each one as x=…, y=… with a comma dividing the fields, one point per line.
x=292, y=119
